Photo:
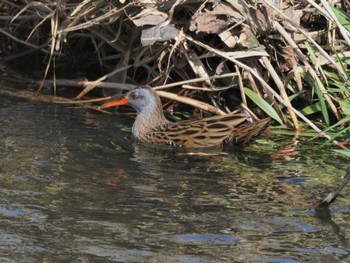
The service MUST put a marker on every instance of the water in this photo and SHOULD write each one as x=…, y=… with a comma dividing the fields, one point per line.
x=76, y=188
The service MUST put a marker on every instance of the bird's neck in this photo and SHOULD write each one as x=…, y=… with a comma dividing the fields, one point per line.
x=147, y=121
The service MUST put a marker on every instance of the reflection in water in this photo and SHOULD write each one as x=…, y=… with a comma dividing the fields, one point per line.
x=76, y=188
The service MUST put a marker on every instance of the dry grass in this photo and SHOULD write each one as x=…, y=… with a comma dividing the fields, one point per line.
x=211, y=53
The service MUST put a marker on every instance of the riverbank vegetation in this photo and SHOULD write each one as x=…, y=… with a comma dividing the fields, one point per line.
x=289, y=61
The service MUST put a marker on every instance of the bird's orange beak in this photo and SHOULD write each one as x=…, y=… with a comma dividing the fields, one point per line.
x=114, y=102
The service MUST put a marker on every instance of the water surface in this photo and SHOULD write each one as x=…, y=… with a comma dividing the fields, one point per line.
x=76, y=188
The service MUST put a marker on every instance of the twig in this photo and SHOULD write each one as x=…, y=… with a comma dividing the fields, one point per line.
x=281, y=89
x=27, y=43
x=191, y=102
x=342, y=30
x=323, y=53
x=302, y=57
x=94, y=21
x=267, y=86
x=95, y=83
x=330, y=198
x=179, y=83
x=120, y=86
x=84, y=83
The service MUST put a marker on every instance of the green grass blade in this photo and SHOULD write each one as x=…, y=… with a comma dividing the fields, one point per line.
x=263, y=105
x=341, y=122
x=344, y=152
x=345, y=107
x=313, y=108
x=340, y=133
x=321, y=98
x=343, y=17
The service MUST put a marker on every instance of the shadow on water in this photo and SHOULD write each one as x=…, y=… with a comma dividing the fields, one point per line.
x=76, y=188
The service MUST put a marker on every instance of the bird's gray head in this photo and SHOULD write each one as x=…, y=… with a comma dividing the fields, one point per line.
x=143, y=100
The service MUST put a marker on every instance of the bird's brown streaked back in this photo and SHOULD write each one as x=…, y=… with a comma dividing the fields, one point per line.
x=151, y=126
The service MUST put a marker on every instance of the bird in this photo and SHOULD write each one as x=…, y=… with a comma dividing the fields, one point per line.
x=151, y=125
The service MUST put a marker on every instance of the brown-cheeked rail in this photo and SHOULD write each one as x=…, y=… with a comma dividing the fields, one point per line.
x=151, y=126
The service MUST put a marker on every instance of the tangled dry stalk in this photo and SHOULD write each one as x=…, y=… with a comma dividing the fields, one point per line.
x=290, y=60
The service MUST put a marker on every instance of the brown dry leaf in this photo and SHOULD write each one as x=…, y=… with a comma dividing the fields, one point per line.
x=215, y=20
x=210, y=24
x=293, y=15
x=289, y=58
x=260, y=18
x=149, y=17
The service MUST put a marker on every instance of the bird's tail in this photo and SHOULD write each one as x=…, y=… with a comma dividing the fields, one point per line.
x=246, y=132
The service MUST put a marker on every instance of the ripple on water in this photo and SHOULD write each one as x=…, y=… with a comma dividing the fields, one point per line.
x=205, y=238
x=75, y=187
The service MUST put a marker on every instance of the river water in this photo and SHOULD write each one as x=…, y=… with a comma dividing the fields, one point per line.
x=75, y=187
